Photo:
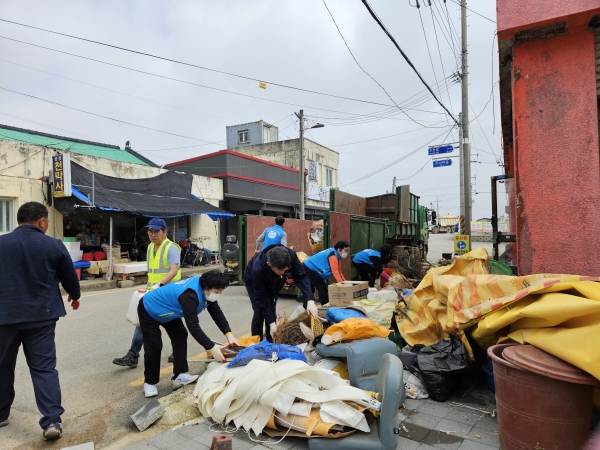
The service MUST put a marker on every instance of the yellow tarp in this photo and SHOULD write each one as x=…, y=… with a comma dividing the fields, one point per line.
x=557, y=313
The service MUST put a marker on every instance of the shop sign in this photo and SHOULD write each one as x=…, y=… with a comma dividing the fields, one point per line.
x=317, y=192
x=61, y=171
x=313, y=171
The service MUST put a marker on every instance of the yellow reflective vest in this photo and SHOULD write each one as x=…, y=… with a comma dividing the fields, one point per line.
x=158, y=263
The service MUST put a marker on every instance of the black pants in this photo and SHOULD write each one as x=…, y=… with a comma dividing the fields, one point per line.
x=153, y=344
x=258, y=319
x=317, y=283
x=40, y=354
x=367, y=273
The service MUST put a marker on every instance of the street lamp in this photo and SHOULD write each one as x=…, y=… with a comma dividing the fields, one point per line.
x=301, y=163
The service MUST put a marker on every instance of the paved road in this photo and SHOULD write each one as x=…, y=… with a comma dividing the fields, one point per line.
x=444, y=243
x=97, y=395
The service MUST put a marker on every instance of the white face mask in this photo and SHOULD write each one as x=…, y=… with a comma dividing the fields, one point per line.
x=344, y=254
x=212, y=296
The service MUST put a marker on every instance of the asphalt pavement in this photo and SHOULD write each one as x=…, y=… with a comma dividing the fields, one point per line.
x=97, y=395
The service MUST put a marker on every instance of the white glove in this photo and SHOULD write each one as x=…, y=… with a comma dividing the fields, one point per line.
x=231, y=339
x=273, y=328
x=216, y=353
x=311, y=307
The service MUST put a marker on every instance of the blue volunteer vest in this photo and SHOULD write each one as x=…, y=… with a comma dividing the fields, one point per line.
x=273, y=236
x=362, y=257
x=163, y=304
x=320, y=263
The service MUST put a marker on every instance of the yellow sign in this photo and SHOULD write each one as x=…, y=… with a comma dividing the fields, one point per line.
x=61, y=170
x=461, y=244
x=262, y=85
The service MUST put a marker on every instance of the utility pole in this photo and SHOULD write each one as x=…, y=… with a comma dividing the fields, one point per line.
x=394, y=186
x=465, y=145
x=301, y=162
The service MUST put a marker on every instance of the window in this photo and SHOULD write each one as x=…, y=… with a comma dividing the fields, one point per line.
x=243, y=137
x=328, y=177
x=6, y=215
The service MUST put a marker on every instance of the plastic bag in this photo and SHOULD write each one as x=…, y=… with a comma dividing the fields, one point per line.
x=335, y=315
x=413, y=385
x=266, y=351
x=351, y=329
x=442, y=366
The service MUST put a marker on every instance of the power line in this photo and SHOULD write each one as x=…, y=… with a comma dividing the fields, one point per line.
x=104, y=117
x=474, y=12
x=362, y=68
x=406, y=57
x=191, y=64
x=388, y=165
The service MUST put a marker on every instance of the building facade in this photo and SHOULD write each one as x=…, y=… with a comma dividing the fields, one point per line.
x=320, y=164
x=25, y=175
x=549, y=89
x=251, y=134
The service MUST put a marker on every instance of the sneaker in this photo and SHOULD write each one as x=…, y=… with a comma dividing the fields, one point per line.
x=127, y=360
x=52, y=431
x=150, y=390
x=183, y=379
x=5, y=422
x=171, y=358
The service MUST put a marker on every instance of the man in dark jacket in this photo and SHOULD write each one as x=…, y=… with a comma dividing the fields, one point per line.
x=30, y=305
x=264, y=277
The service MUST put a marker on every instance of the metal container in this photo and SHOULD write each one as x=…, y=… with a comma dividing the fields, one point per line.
x=542, y=401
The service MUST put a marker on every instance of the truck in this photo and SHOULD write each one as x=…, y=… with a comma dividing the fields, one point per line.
x=406, y=220
x=444, y=224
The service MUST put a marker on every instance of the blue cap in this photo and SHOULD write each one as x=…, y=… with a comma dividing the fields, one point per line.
x=157, y=224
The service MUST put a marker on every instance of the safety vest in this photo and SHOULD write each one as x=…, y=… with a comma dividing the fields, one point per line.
x=163, y=305
x=362, y=257
x=158, y=264
x=320, y=263
x=273, y=236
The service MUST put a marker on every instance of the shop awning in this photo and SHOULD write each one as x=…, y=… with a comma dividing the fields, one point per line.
x=166, y=195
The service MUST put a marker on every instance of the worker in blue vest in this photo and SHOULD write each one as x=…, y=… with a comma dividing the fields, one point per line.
x=272, y=236
x=166, y=307
x=320, y=268
x=369, y=263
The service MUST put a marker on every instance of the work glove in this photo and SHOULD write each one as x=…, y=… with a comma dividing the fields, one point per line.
x=273, y=329
x=256, y=252
x=74, y=303
x=312, y=310
x=231, y=339
x=216, y=353
x=385, y=276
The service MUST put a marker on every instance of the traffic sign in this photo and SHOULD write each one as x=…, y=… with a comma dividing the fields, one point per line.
x=442, y=163
x=440, y=150
x=461, y=244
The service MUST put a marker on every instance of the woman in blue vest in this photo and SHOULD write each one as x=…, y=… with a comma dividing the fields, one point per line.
x=320, y=268
x=166, y=307
x=369, y=263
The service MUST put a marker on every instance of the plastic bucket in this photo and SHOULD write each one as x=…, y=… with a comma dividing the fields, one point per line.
x=535, y=411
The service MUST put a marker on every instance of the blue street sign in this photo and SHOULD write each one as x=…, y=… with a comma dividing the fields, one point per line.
x=440, y=150
x=442, y=163
x=461, y=245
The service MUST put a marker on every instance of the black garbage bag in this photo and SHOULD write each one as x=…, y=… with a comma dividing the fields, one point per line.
x=442, y=366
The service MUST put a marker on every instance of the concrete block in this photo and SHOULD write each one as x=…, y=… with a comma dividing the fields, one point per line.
x=86, y=446
x=221, y=442
x=126, y=283
x=148, y=414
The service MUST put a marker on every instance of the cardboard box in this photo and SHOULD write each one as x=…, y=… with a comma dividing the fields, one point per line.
x=344, y=293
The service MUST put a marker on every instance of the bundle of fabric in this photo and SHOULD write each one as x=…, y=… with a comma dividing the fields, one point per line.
x=288, y=395
x=551, y=311
x=352, y=329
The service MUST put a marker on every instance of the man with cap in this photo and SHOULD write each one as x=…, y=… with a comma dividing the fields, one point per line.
x=163, y=260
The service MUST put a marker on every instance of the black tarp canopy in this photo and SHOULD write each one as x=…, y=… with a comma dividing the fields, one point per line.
x=166, y=195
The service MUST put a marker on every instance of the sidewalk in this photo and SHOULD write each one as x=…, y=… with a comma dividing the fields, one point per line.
x=424, y=425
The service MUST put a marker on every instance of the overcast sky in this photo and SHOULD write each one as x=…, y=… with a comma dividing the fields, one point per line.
x=287, y=42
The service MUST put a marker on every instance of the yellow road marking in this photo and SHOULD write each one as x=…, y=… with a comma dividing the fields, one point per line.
x=169, y=368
